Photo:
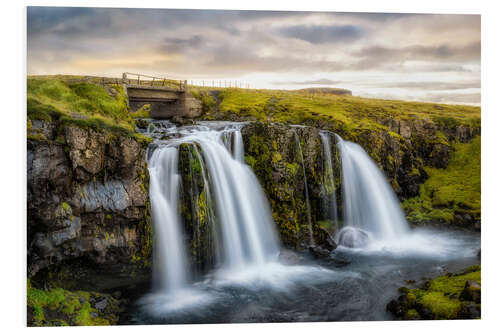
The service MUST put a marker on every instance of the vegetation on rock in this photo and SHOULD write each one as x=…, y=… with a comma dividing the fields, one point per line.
x=83, y=104
x=452, y=193
x=451, y=296
x=60, y=307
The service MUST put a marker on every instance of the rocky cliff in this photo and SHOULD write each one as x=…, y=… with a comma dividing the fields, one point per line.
x=88, y=208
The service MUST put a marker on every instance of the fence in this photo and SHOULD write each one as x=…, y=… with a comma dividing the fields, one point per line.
x=154, y=81
x=219, y=84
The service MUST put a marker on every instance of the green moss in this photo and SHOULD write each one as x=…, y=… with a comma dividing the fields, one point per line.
x=293, y=168
x=250, y=161
x=207, y=102
x=36, y=137
x=276, y=157
x=411, y=314
x=346, y=112
x=82, y=104
x=450, y=191
x=69, y=307
x=441, y=294
x=65, y=206
x=143, y=112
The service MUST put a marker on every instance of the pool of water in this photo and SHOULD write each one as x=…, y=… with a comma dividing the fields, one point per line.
x=313, y=290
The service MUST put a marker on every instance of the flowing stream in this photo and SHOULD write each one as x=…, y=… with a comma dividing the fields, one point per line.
x=251, y=281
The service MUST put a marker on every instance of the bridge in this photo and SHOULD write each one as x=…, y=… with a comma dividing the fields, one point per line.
x=167, y=97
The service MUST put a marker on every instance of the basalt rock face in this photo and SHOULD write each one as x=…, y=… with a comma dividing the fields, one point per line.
x=87, y=203
x=197, y=209
x=280, y=155
x=431, y=140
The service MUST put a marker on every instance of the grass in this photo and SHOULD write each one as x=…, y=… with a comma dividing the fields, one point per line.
x=60, y=307
x=349, y=111
x=441, y=296
x=450, y=191
x=82, y=104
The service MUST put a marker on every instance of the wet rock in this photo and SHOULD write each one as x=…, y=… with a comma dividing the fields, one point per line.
x=142, y=124
x=101, y=305
x=182, y=121
x=290, y=257
x=397, y=308
x=319, y=252
x=470, y=310
x=471, y=292
x=425, y=313
x=477, y=225
x=353, y=237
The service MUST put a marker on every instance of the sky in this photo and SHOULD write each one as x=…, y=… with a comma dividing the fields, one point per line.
x=422, y=57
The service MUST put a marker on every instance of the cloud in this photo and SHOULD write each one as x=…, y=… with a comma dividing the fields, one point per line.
x=288, y=48
x=310, y=82
x=435, y=85
x=319, y=34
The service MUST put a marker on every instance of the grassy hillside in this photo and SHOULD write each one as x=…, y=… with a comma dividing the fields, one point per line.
x=83, y=104
x=451, y=191
x=349, y=111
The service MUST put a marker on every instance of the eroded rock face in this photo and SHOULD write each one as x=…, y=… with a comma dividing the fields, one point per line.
x=87, y=200
x=273, y=151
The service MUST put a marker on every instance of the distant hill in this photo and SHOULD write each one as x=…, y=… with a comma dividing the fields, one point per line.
x=327, y=90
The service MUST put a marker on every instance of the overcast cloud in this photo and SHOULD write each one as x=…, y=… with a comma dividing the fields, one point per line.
x=427, y=57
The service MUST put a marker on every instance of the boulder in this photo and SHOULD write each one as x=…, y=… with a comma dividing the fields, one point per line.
x=471, y=292
x=352, y=237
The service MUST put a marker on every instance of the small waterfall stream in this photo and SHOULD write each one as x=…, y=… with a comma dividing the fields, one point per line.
x=170, y=265
x=371, y=209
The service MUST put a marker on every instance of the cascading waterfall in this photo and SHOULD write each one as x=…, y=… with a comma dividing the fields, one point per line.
x=329, y=182
x=371, y=209
x=233, y=141
x=170, y=264
x=306, y=188
x=242, y=212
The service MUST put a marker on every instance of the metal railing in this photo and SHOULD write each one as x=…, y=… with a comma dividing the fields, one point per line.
x=153, y=81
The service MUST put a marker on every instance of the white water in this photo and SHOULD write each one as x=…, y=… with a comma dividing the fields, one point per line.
x=247, y=229
x=329, y=179
x=369, y=202
x=170, y=266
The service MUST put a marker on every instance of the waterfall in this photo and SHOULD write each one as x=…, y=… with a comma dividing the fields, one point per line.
x=306, y=188
x=170, y=264
x=370, y=204
x=233, y=141
x=242, y=213
x=329, y=182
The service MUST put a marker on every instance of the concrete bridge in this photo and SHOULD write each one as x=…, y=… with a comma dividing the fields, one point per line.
x=167, y=98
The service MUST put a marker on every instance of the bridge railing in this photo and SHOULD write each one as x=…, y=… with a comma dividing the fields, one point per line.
x=153, y=81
